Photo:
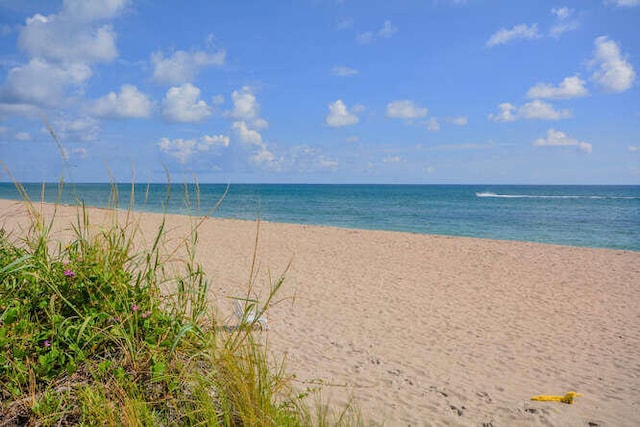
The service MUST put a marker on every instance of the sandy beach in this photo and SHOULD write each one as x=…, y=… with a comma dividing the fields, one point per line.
x=432, y=330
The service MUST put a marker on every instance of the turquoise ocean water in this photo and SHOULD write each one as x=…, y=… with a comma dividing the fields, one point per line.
x=592, y=216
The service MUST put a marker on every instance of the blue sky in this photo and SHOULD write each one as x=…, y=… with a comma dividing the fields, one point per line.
x=405, y=91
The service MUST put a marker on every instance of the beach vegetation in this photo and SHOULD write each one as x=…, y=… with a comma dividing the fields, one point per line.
x=102, y=325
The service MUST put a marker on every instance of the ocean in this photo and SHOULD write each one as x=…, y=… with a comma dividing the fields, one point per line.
x=590, y=216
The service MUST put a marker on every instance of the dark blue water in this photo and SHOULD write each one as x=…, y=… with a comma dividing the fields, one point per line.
x=593, y=216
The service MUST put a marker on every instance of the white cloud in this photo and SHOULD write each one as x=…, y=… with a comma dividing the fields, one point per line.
x=181, y=149
x=308, y=159
x=43, y=83
x=182, y=67
x=93, y=10
x=569, y=87
x=365, y=38
x=182, y=104
x=623, y=3
x=508, y=113
x=560, y=139
x=405, y=109
x=386, y=31
x=634, y=148
x=217, y=100
x=23, y=136
x=353, y=139
x=561, y=12
x=74, y=129
x=433, y=125
x=245, y=134
x=535, y=109
x=184, y=149
x=72, y=35
x=20, y=109
x=263, y=155
x=342, y=71
x=518, y=32
x=208, y=141
x=339, y=115
x=245, y=105
x=61, y=48
x=613, y=72
x=563, y=23
x=129, y=103
x=458, y=121
x=541, y=110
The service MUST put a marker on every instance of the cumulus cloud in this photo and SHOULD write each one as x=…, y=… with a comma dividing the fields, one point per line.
x=74, y=34
x=339, y=115
x=260, y=153
x=534, y=110
x=61, y=48
x=184, y=149
x=208, y=141
x=245, y=134
x=183, y=104
x=508, y=113
x=560, y=139
x=569, y=87
x=245, y=104
x=182, y=67
x=386, y=31
x=342, y=71
x=405, y=109
x=43, y=83
x=613, y=73
x=129, y=103
x=518, y=32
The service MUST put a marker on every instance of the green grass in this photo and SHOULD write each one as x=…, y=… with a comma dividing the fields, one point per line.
x=100, y=330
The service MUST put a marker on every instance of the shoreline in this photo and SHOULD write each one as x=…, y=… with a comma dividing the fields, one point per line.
x=214, y=218
x=426, y=329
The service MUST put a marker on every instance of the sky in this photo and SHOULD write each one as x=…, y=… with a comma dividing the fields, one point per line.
x=321, y=91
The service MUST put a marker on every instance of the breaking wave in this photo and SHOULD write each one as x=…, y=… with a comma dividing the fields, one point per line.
x=543, y=196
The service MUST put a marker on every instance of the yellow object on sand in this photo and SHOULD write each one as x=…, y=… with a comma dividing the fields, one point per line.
x=567, y=398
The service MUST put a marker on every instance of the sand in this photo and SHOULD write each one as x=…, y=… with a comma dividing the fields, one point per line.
x=434, y=330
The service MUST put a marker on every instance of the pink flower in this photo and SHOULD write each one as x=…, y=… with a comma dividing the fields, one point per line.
x=69, y=273
x=146, y=314
x=134, y=308
x=47, y=343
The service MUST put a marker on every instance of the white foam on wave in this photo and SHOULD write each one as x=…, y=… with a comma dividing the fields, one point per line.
x=542, y=196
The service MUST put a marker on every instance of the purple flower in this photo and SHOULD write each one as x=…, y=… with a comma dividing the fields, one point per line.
x=134, y=308
x=69, y=273
x=47, y=343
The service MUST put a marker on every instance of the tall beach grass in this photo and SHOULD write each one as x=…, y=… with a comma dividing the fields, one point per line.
x=107, y=326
